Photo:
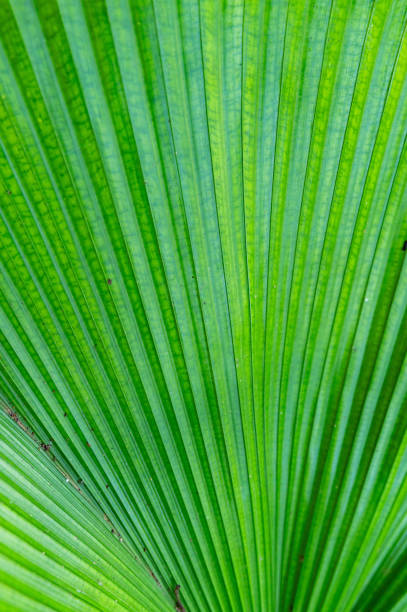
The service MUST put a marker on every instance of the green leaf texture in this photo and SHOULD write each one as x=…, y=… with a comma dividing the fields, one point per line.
x=203, y=286
x=55, y=552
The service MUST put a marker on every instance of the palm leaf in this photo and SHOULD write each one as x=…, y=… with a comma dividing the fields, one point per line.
x=56, y=553
x=203, y=284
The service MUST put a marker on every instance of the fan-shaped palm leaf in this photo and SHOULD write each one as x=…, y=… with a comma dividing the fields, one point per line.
x=203, y=305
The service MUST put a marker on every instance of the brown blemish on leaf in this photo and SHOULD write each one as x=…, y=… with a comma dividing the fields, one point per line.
x=178, y=604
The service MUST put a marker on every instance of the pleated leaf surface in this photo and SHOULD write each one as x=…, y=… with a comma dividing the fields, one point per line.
x=203, y=321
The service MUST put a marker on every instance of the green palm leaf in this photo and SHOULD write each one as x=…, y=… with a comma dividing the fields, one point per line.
x=203, y=305
x=56, y=552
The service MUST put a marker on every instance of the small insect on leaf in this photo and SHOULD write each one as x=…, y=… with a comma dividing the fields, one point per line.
x=109, y=281
x=404, y=247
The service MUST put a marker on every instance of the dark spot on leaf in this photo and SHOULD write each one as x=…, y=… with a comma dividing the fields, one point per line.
x=107, y=486
x=178, y=604
x=9, y=192
x=301, y=558
x=88, y=444
x=404, y=247
x=65, y=414
x=109, y=281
